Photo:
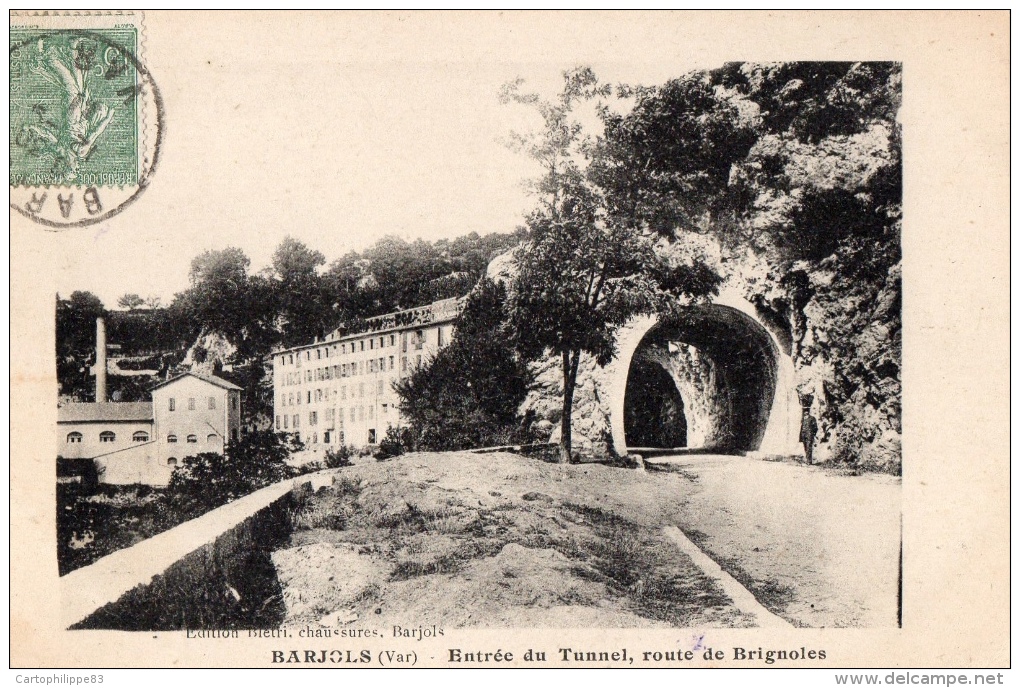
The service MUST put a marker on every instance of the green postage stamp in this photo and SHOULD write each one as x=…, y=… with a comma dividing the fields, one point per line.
x=85, y=116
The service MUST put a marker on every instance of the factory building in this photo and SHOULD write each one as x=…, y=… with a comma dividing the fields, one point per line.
x=339, y=391
x=142, y=442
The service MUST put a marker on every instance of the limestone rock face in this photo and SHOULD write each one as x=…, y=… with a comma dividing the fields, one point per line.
x=209, y=351
x=590, y=417
x=695, y=377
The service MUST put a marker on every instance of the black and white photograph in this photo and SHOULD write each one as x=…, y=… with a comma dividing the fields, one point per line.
x=490, y=340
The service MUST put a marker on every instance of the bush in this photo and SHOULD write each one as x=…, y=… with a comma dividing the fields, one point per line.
x=209, y=480
x=338, y=458
x=396, y=442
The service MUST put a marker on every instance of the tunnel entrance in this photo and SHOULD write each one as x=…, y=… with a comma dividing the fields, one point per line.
x=703, y=379
x=654, y=410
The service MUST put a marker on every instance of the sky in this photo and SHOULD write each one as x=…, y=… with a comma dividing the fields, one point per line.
x=338, y=130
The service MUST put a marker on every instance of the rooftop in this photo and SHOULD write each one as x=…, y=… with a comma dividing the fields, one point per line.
x=433, y=313
x=106, y=411
x=211, y=379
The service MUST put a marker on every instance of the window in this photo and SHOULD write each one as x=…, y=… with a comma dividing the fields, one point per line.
x=308, y=355
x=352, y=414
x=172, y=461
x=361, y=413
x=385, y=409
x=382, y=342
x=292, y=359
x=340, y=437
x=107, y=436
x=318, y=354
x=192, y=439
x=361, y=389
x=371, y=436
x=171, y=439
x=233, y=402
x=212, y=437
x=439, y=335
x=403, y=364
x=419, y=339
x=74, y=438
x=371, y=412
x=325, y=437
x=297, y=421
x=418, y=363
x=403, y=341
x=379, y=389
x=290, y=399
x=191, y=403
x=278, y=422
x=362, y=344
x=212, y=403
x=391, y=363
x=309, y=396
x=286, y=420
x=140, y=436
x=173, y=403
x=371, y=343
x=313, y=418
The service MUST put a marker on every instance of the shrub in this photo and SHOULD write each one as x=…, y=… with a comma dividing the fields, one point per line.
x=396, y=442
x=338, y=458
x=209, y=480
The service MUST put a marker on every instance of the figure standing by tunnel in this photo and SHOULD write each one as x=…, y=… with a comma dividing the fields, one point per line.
x=808, y=430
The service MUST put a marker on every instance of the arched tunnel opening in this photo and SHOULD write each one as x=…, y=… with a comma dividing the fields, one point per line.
x=704, y=379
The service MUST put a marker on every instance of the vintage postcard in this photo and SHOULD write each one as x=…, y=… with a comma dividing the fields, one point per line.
x=574, y=339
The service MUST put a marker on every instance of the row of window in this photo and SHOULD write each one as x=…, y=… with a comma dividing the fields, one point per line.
x=192, y=439
x=107, y=436
x=416, y=338
x=328, y=395
x=140, y=436
x=172, y=403
x=328, y=436
x=370, y=367
x=357, y=413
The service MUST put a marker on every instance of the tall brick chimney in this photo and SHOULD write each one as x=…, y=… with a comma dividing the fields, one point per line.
x=100, y=360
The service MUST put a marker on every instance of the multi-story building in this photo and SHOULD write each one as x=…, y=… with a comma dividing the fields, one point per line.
x=339, y=391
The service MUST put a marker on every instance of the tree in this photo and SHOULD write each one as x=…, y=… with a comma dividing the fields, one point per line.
x=76, y=342
x=583, y=271
x=131, y=301
x=218, y=294
x=299, y=292
x=469, y=393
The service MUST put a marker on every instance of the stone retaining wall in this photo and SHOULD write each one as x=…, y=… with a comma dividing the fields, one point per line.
x=212, y=572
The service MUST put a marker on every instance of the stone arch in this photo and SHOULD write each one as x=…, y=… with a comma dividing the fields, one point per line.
x=733, y=372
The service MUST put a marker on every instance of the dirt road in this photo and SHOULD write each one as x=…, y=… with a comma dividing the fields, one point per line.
x=818, y=548
x=461, y=539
